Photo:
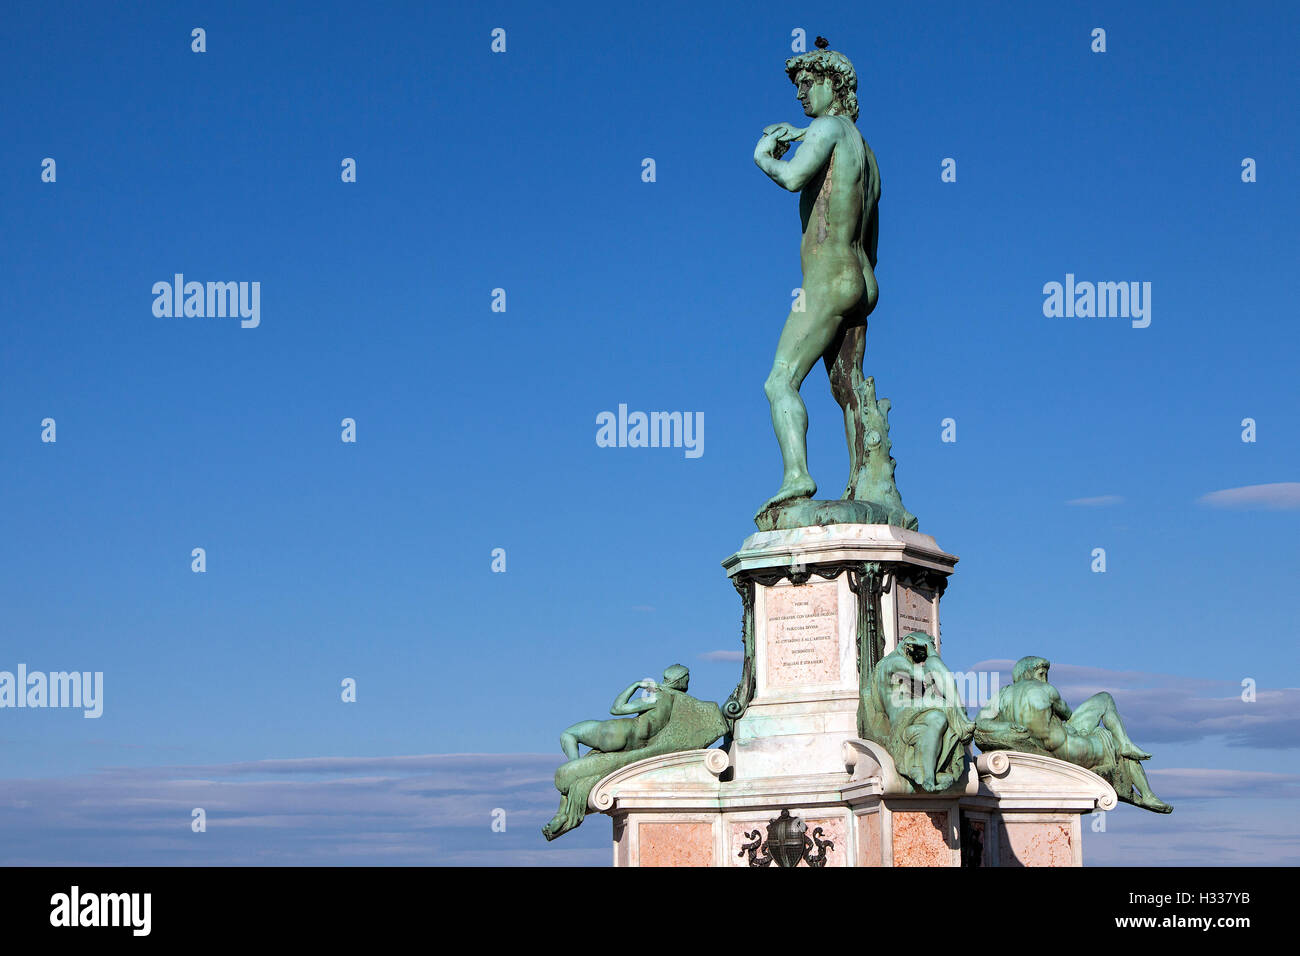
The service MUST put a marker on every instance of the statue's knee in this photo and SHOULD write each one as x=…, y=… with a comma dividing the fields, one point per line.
x=777, y=384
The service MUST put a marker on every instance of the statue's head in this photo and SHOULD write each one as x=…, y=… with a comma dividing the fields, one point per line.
x=917, y=647
x=1030, y=668
x=677, y=677
x=826, y=83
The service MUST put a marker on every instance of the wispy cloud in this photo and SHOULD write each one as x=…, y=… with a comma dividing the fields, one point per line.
x=1219, y=819
x=429, y=809
x=1279, y=496
x=1101, y=501
x=408, y=810
x=1201, y=782
x=722, y=656
x=438, y=808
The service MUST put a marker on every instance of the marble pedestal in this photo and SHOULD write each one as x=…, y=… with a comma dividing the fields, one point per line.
x=1012, y=809
x=821, y=606
x=816, y=602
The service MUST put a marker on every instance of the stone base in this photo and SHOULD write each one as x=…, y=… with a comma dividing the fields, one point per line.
x=917, y=572
x=810, y=596
x=1011, y=809
x=810, y=513
x=822, y=604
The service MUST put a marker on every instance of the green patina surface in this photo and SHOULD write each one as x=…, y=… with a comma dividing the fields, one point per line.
x=910, y=706
x=835, y=173
x=667, y=720
x=1032, y=717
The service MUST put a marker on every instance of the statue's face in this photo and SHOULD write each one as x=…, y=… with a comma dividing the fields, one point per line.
x=815, y=92
x=917, y=647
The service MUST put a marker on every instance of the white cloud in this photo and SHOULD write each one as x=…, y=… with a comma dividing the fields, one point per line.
x=1279, y=496
x=1239, y=828
x=1100, y=501
x=430, y=809
x=1203, y=782
x=410, y=810
x=436, y=809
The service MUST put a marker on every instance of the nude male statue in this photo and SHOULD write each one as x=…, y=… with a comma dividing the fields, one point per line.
x=836, y=175
x=652, y=714
x=1031, y=715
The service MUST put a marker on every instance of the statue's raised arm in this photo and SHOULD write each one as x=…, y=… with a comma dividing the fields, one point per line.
x=817, y=142
x=667, y=720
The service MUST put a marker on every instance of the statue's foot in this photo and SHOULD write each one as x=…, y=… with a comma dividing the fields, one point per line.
x=796, y=486
x=555, y=827
x=1134, y=753
x=1153, y=803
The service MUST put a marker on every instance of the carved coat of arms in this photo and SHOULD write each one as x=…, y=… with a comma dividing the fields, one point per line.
x=788, y=842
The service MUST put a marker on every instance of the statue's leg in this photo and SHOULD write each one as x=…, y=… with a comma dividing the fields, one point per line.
x=843, y=359
x=1100, y=709
x=558, y=823
x=803, y=340
x=585, y=732
x=1133, y=774
x=929, y=740
x=573, y=807
x=866, y=422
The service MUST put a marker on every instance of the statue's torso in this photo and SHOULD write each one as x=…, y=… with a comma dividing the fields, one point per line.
x=1029, y=703
x=836, y=203
x=656, y=718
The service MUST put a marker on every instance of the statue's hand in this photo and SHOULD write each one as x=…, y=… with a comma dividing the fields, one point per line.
x=648, y=684
x=784, y=132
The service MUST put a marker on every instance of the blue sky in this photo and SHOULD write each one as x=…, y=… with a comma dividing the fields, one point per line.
x=476, y=429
